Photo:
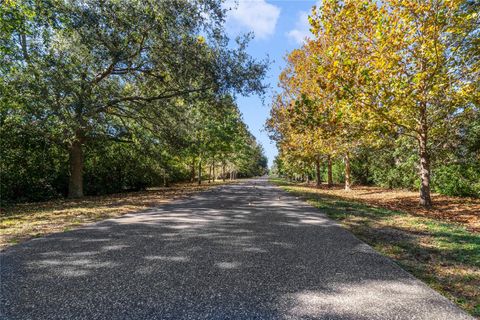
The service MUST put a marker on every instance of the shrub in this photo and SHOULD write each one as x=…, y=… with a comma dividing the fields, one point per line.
x=457, y=180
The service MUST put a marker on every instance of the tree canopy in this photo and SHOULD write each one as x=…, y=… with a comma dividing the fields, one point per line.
x=141, y=79
x=384, y=75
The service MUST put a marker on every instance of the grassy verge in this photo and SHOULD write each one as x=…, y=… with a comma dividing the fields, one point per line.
x=444, y=254
x=25, y=221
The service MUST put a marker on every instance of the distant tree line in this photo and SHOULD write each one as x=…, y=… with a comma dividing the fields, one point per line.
x=387, y=93
x=105, y=96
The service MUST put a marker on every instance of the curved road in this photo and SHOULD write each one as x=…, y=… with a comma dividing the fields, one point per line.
x=244, y=251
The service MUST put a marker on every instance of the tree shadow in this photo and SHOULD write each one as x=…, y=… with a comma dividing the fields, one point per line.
x=246, y=251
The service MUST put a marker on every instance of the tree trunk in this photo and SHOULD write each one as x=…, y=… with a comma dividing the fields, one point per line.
x=329, y=172
x=192, y=171
x=75, y=183
x=317, y=171
x=425, y=198
x=199, y=171
x=210, y=175
x=213, y=169
x=223, y=172
x=348, y=181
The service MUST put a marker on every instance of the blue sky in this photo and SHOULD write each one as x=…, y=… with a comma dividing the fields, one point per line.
x=279, y=27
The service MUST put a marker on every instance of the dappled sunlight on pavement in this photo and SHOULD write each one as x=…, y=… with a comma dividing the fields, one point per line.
x=240, y=251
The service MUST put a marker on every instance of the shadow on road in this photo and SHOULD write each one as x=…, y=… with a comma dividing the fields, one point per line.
x=245, y=251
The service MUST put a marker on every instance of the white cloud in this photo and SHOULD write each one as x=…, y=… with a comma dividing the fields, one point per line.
x=301, y=30
x=302, y=27
x=258, y=16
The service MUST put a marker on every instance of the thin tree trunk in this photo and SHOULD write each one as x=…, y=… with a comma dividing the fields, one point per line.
x=75, y=183
x=199, y=171
x=317, y=171
x=23, y=43
x=213, y=167
x=348, y=180
x=165, y=178
x=425, y=198
x=224, y=174
x=192, y=171
x=210, y=175
x=329, y=172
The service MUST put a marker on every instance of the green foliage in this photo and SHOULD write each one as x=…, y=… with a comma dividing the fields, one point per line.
x=338, y=172
x=394, y=165
x=116, y=167
x=84, y=97
x=31, y=166
x=457, y=180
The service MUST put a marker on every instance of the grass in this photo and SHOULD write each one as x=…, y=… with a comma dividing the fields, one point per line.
x=21, y=222
x=443, y=253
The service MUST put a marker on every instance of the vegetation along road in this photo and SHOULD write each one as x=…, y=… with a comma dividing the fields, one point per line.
x=131, y=133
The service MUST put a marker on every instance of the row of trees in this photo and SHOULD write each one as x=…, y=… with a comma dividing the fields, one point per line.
x=101, y=96
x=390, y=80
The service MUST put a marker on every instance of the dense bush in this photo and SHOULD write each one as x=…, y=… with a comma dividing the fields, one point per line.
x=34, y=168
x=338, y=173
x=393, y=166
x=31, y=167
x=115, y=167
x=457, y=180
x=456, y=171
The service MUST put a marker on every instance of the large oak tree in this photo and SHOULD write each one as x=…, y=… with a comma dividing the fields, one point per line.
x=94, y=69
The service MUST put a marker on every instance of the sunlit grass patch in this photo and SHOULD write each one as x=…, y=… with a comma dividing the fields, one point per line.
x=442, y=253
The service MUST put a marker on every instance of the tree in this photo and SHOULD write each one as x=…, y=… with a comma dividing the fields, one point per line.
x=396, y=59
x=375, y=71
x=82, y=69
x=315, y=121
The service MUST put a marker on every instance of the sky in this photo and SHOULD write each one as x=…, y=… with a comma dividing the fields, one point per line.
x=279, y=27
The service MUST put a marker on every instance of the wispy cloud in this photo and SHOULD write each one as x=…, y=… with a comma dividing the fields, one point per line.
x=258, y=16
x=301, y=31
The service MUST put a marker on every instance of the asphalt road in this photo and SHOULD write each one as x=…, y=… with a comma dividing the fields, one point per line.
x=245, y=251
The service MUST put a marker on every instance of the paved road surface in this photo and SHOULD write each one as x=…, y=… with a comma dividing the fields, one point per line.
x=246, y=251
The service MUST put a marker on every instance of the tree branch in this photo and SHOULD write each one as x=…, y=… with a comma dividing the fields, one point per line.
x=154, y=98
